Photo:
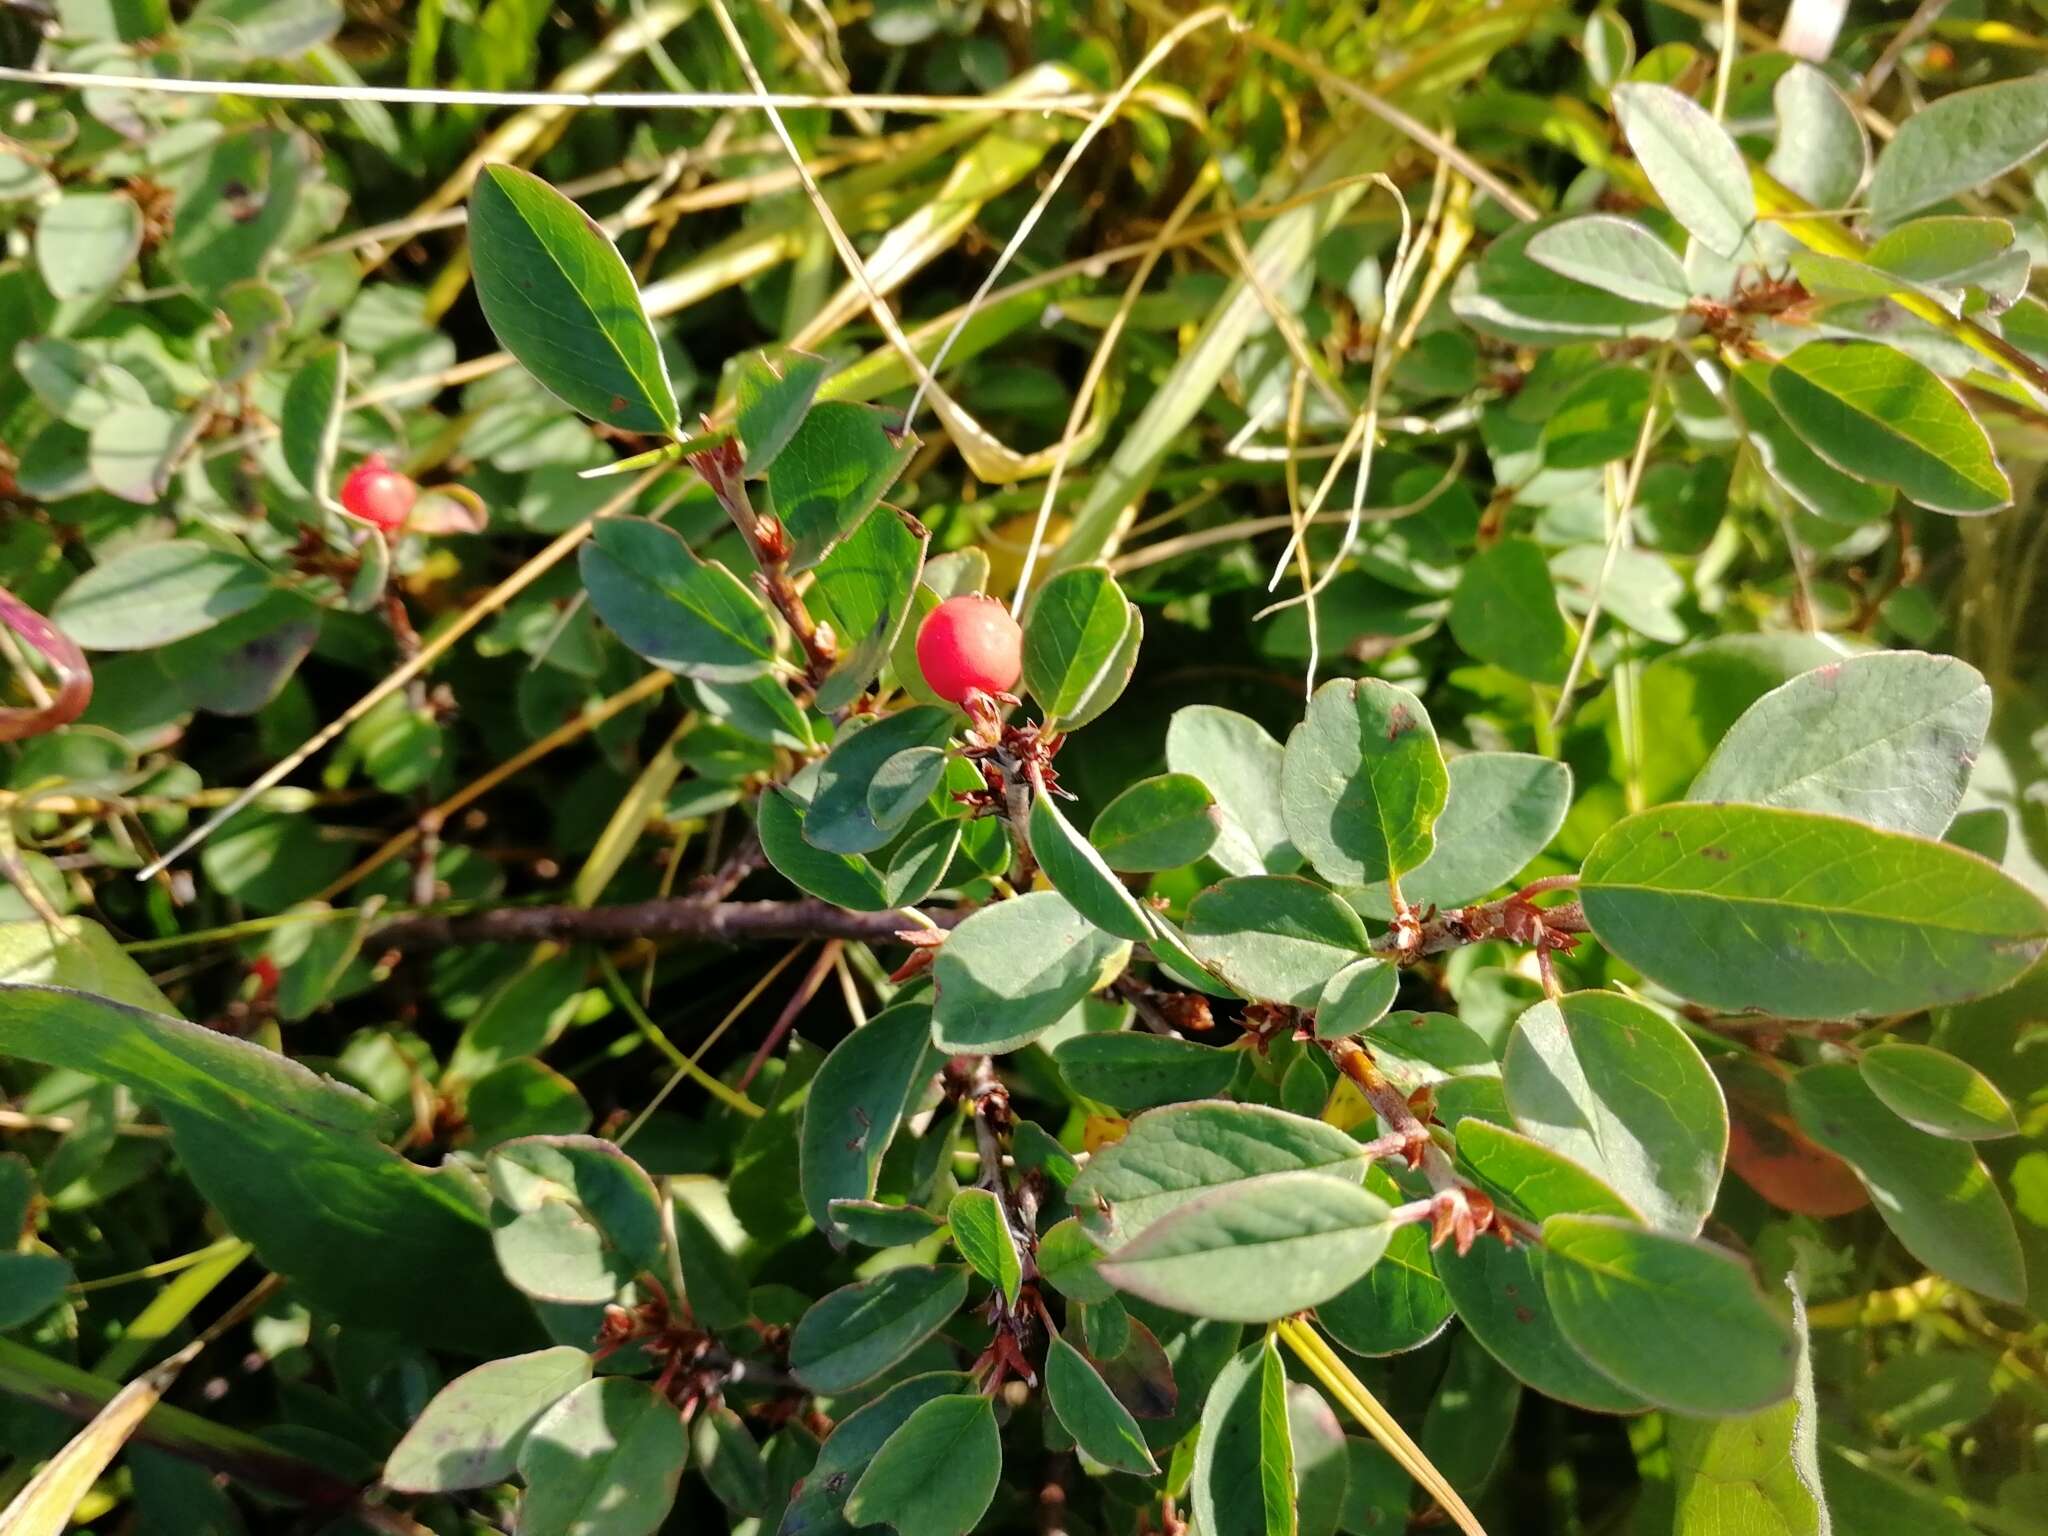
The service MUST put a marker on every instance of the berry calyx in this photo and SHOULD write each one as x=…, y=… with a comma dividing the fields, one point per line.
x=379, y=494
x=968, y=643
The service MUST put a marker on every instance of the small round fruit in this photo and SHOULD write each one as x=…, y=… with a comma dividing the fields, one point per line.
x=379, y=494
x=967, y=643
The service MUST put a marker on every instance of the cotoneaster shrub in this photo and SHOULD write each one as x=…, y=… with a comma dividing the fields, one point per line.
x=1470, y=958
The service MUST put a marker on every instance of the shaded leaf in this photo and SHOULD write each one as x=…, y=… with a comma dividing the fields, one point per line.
x=937, y=1473
x=469, y=1435
x=1158, y=823
x=1240, y=763
x=856, y=1102
x=604, y=1461
x=1934, y=1193
x=1101, y=1426
x=1130, y=1071
x=857, y=1332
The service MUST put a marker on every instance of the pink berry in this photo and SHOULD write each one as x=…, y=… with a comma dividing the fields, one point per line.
x=967, y=643
x=379, y=494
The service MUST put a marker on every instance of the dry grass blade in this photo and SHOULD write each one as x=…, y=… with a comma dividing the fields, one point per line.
x=45, y=1504
x=1204, y=182
x=1102, y=118
x=644, y=101
x=1352, y=1396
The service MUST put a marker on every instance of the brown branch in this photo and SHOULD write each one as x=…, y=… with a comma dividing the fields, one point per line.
x=768, y=541
x=684, y=917
x=1516, y=919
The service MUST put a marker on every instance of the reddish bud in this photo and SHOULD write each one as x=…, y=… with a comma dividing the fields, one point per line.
x=379, y=494
x=969, y=643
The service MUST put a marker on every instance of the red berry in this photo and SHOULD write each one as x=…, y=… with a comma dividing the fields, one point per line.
x=379, y=494
x=969, y=642
x=264, y=969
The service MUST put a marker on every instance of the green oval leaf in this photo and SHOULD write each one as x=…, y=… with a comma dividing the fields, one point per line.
x=1499, y=1294
x=1959, y=142
x=983, y=1236
x=561, y=299
x=604, y=1461
x=1276, y=937
x=1613, y=1085
x=1803, y=915
x=86, y=242
x=841, y=816
x=1170, y=1156
x=1822, y=151
x=1888, y=739
x=1809, y=479
x=1363, y=781
x=1356, y=998
x=189, y=587
x=844, y=879
x=1162, y=822
x=857, y=1332
x=1397, y=1305
x=691, y=616
x=856, y=1102
x=1936, y=1092
x=1691, y=161
x=1101, y=1426
x=1502, y=810
x=1934, y=1193
x=1243, y=1474
x=1080, y=642
x=1871, y=410
x=817, y=1501
x=1505, y=611
x=862, y=589
x=309, y=422
x=1012, y=970
x=574, y=1219
x=1240, y=763
x=937, y=1473
x=1614, y=254
x=1078, y=873
x=1678, y=1320
x=1130, y=1071
x=1257, y=1249
x=827, y=478
x=469, y=1435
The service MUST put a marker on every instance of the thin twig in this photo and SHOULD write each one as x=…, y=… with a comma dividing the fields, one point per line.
x=709, y=922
